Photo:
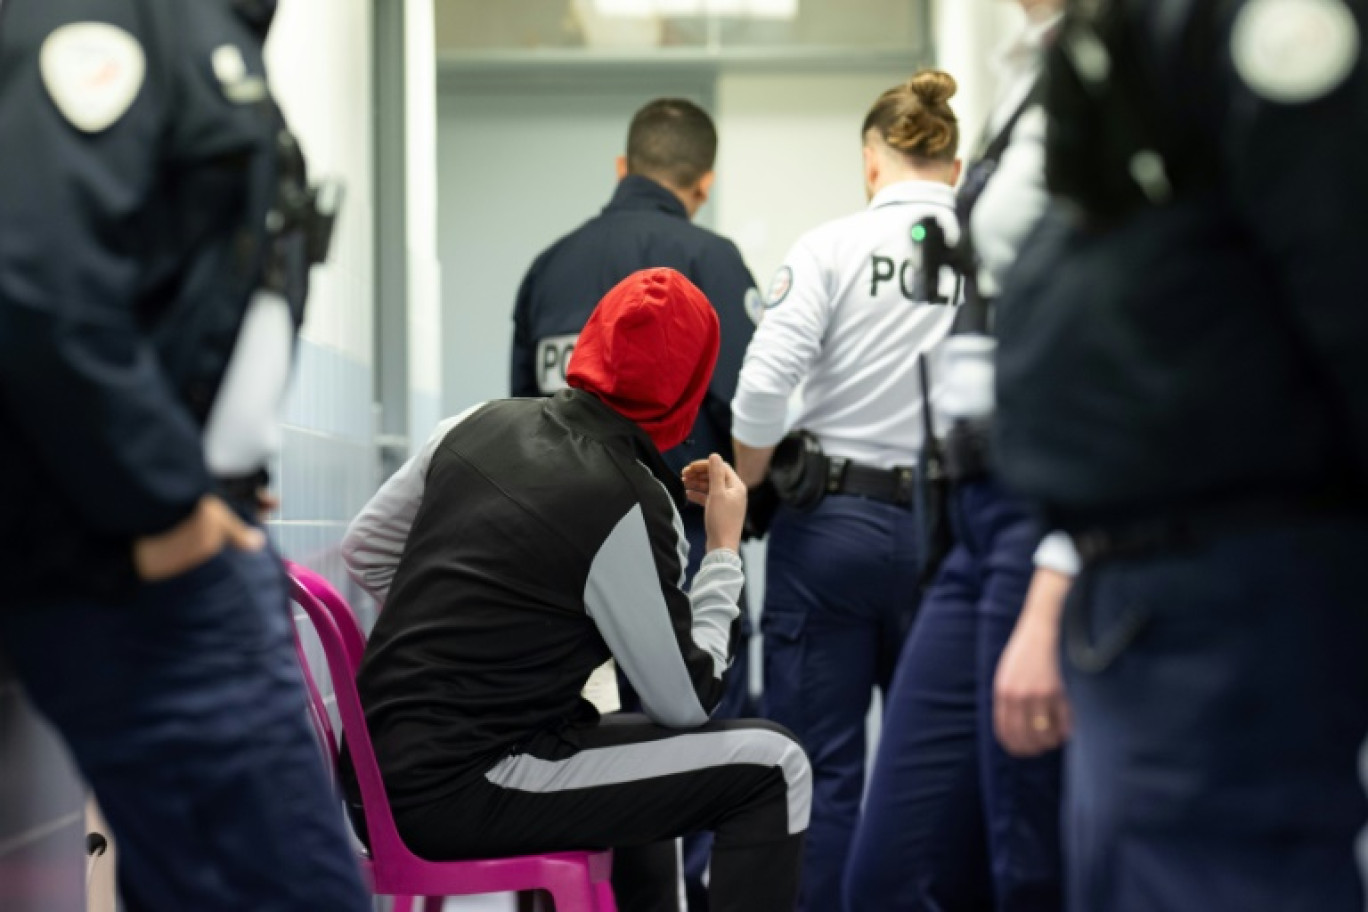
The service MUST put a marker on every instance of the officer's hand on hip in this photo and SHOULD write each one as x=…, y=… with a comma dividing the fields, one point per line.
x=194, y=541
x=722, y=494
x=1030, y=710
x=266, y=503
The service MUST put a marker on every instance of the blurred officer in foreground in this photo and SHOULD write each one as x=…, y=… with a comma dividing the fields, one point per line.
x=1182, y=386
x=845, y=315
x=952, y=821
x=155, y=239
x=664, y=178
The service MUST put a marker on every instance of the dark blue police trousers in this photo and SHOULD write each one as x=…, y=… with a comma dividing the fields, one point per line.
x=185, y=710
x=1220, y=701
x=951, y=821
x=736, y=703
x=841, y=593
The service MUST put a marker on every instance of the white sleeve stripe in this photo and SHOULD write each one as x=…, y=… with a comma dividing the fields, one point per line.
x=714, y=596
x=623, y=597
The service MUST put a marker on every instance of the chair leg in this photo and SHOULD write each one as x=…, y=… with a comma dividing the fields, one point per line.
x=603, y=895
x=404, y=904
x=434, y=903
x=574, y=895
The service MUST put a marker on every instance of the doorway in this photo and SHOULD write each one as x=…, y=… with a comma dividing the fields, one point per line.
x=522, y=160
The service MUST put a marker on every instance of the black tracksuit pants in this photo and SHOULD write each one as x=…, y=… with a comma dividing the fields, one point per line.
x=627, y=782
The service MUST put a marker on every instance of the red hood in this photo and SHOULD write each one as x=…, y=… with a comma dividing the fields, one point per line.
x=648, y=352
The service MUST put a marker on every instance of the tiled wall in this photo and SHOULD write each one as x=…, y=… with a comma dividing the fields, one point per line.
x=319, y=54
x=326, y=470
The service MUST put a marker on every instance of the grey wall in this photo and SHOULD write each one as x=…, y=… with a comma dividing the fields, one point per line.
x=522, y=161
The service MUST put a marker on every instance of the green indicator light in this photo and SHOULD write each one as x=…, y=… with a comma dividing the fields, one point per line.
x=918, y=233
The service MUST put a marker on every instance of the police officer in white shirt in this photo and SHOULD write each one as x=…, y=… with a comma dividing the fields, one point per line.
x=952, y=820
x=844, y=316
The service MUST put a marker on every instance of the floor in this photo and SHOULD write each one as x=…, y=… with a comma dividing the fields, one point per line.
x=500, y=903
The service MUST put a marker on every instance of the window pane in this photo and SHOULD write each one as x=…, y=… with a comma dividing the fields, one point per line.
x=712, y=25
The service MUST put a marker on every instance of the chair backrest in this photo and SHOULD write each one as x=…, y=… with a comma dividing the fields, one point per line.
x=343, y=645
x=353, y=638
x=318, y=711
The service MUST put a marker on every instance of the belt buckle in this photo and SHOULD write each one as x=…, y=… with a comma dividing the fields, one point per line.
x=1092, y=545
x=836, y=472
x=904, y=484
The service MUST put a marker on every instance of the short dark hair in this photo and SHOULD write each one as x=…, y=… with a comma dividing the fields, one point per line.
x=672, y=140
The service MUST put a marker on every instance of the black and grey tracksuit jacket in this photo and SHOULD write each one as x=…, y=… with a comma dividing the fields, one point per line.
x=526, y=544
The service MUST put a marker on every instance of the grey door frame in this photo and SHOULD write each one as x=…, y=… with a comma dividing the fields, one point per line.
x=391, y=236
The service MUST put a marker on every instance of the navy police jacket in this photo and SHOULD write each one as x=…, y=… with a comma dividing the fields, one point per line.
x=644, y=225
x=1188, y=326
x=141, y=158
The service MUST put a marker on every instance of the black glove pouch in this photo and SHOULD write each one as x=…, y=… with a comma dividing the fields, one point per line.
x=799, y=471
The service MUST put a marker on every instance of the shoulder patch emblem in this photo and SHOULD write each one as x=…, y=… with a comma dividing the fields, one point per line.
x=238, y=84
x=93, y=72
x=754, y=303
x=780, y=286
x=1294, y=51
x=228, y=63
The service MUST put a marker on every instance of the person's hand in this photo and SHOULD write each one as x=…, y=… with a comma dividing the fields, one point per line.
x=1030, y=710
x=696, y=479
x=196, y=539
x=715, y=486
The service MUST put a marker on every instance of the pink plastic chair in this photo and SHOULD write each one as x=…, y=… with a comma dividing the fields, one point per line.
x=577, y=881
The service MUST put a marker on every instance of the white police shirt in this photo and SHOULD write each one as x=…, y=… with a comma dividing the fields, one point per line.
x=1011, y=203
x=840, y=315
x=1015, y=196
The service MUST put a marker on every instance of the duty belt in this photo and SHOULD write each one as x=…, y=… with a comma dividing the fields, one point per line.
x=895, y=486
x=1202, y=525
x=242, y=490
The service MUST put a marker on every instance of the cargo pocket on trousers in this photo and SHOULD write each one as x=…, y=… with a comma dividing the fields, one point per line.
x=1093, y=644
x=785, y=652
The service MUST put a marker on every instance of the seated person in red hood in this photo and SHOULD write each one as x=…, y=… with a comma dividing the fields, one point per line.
x=530, y=541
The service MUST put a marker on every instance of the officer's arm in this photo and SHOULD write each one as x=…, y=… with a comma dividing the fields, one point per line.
x=782, y=351
x=725, y=279
x=79, y=379
x=674, y=648
x=752, y=463
x=523, y=367
x=1298, y=176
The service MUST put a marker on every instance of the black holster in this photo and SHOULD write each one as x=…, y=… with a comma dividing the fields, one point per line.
x=967, y=450
x=933, y=491
x=799, y=471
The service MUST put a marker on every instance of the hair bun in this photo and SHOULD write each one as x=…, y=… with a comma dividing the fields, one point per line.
x=933, y=87
x=914, y=117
